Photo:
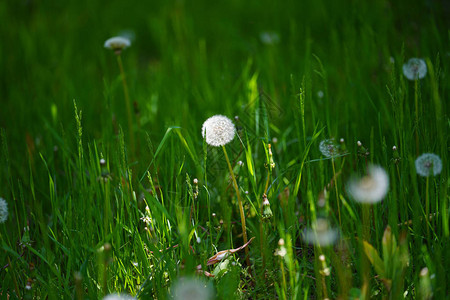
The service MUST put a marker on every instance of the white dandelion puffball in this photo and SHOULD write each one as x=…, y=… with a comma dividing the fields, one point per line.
x=415, y=68
x=3, y=210
x=321, y=233
x=371, y=188
x=218, y=131
x=117, y=43
x=329, y=148
x=118, y=297
x=428, y=164
x=191, y=289
x=269, y=37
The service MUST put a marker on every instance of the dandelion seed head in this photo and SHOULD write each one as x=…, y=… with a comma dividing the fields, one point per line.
x=371, y=188
x=428, y=164
x=329, y=148
x=117, y=43
x=321, y=233
x=320, y=94
x=415, y=68
x=3, y=210
x=118, y=297
x=191, y=289
x=269, y=37
x=218, y=130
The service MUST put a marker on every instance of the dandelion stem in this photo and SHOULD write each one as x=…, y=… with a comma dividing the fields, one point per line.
x=127, y=102
x=337, y=194
x=416, y=103
x=241, y=207
x=427, y=209
x=365, y=267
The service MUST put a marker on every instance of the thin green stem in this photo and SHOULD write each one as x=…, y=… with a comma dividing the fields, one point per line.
x=337, y=193
x=427, y=209
x=127, y=103
x=241, y=207
x=416, y=121
x=283, y=274
x=365, y=266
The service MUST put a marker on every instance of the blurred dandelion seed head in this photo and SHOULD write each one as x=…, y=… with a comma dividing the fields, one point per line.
x=329, y=148
x=191, y=289
x=3, y=210
x=371, y=188
x=415, y=68
x=218, y=131
x=321, y=233
x=428, y=164
x=118, y=297
x=320, y=94
x=117, y=43
x=269, y=37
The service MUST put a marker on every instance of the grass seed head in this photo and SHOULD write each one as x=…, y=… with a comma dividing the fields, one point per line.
x=3, y=210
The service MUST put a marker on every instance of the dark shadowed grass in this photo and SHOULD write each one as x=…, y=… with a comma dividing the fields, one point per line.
x=76, y=227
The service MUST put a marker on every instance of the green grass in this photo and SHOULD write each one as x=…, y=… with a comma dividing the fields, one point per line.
x=74, y=228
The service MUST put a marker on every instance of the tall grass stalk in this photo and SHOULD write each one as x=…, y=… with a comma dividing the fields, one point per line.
x=241, y=207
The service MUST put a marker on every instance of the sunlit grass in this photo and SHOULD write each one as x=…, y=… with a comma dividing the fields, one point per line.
x=110, y=187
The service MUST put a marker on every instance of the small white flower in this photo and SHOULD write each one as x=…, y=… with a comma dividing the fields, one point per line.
x=428, y=164
x=281, y=251
x=117, y=43
x=269, y=37
x=415, y=68
x=329, y=148
x=371, y=188
x=118, y=297
x=191, y=289
x=3, y=210
x=321, y=233
x=147, y=220
x=218, y=130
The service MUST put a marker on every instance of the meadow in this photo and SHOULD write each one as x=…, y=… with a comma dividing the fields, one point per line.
x=312, y=187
